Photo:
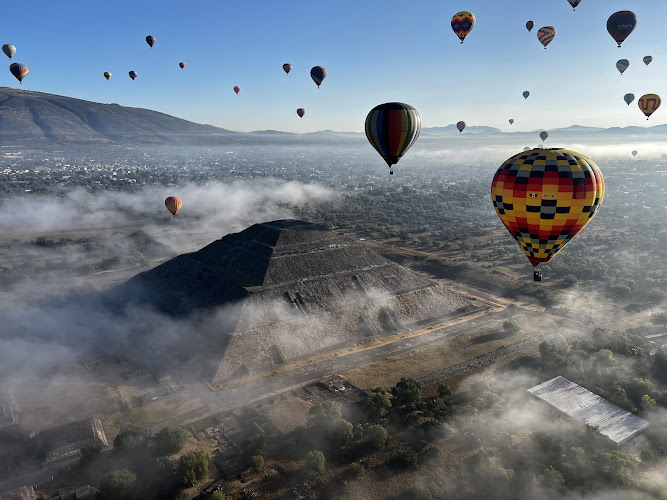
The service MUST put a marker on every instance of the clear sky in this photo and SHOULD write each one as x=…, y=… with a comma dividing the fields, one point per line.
x=374, y=51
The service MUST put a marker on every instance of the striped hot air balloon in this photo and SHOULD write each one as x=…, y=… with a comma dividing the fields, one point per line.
x=460, y=126
x=462, y=23
x=392, y=128
x=649, y=103
x=546, y=35
x=9, y=50
x=19, y=70
x=173, y=204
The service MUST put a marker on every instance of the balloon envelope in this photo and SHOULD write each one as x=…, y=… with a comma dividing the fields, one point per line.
x=107, y=75
x=173, y=204
x=647, y=60
x=649, y=103
x=287, y=67
x=150, y=40
x=634, y=153
x=392, y=128
x=19, y=70
x=543, y=135
x=462, y=23
x=628, y=98
x=181, y=64
x=526, y=94
x=574, y=3
x=544, y=197
x=237, y=89
x=461, y=125
x=9, y=50
x=511, y=121
x=133, y=74
x=620, y=24
x=546, y=35
x=318, y=74
x=622, y=65
x=530, y=25
x=301, y=112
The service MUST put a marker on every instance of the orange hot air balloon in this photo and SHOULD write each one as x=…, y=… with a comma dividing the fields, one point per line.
x=173, y=204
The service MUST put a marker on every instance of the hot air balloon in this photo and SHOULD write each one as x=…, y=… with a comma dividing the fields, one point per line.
x=543, y=135
x=462, y=23
x=150, y=40
x=460, y=126
x=301, y=112
x=526, y=94
x=173, y=204
x=511, y=121
x=647, y=60
x=107, y=75
x=634, y=153
x=19, y=70
x=649, y=103
x=620, y=24
x=287, y=67
x=181, y=64
x=622, y=65
x=545, y=35
x=9, y=50
x=392, y=128
x=237, y=89
x=133, y=74
x=628, y=98
x=574, y=3
x=544, y=197
x=530, y=25
x=318, y=74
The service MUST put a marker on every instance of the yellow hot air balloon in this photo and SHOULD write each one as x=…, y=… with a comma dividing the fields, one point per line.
x=544, y=197
x=649, y=103
x=173, y=204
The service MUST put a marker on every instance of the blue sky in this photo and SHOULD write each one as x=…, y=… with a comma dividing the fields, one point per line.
x=374, y=51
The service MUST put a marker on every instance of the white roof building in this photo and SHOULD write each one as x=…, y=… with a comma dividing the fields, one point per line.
x=581, y=404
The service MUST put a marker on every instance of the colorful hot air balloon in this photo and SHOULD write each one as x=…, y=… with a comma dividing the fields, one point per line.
x=649, y=103
x=622, y=65
x=511, y=121
x=543, y=135
x=181, y=65
x=460, y=126
x=530, y=25
x=462, y=23
x=620, y=24
x=133, y=74
x=392, y=128
x=150, y=40
x=301, y=112
x=634, y=153
x=107, y=75
x=9, y=50
x=525, y=94
x=287, y=67
x=628, y=98
x=318, y=74
x=19, y=70
x=237, y=89
x=546, y=34
x=544, y=197
x=647, y=60
x=173, y=204
x=574, y=3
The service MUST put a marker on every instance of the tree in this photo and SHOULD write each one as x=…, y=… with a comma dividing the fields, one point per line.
x=326, y=413
x=569, y=281
x=218, y=495
x=356, y=470
x=342, y=433
x=169, y=440
x=315, y=462
x=192, y=466
x=377, y=403
x=132, y=437
x=510, y=327
x=257, y=463
x=376, y=436
x=406, y=457
x=647, y=402
x=445, y=391
x=659, y=318
x=117, y=484
x=407, y=391
x=256, y=444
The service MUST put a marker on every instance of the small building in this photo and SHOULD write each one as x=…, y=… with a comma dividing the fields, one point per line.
x=64, y=443
x=617, y=424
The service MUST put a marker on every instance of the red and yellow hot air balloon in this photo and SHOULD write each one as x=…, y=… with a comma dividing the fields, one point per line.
x=649, y=103
x=173, y=204
x=19, y=70
x=462, y=23
x=544, y=197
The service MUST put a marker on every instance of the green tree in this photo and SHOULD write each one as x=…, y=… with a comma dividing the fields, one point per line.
x=376, y=436
x=315, y=462
x=445, y=391
x=218, y=495
x=356, y=470
x=325, y=414
x=192, y=466
x=647, y=402
x=553, y=477
x=257, y=463
x=510, y=327
x=377, y=403
x=132, y=437
x=117, y=484
x=406, y=457
x=169, y=440
x=568, y=281
x=342, y=433
x=408, y=391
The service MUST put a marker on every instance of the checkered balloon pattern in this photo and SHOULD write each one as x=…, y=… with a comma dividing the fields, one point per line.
x=544, y=197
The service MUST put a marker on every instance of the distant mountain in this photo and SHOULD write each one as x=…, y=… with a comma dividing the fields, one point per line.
x=451, y=129
x=35, y=116
x=578, y=128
